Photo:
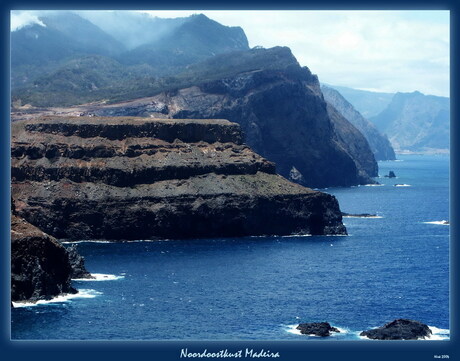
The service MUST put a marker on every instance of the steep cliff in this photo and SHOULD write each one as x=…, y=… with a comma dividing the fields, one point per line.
x=380, y=145
x=137, y=178
x=40, y=266
x=280, y=108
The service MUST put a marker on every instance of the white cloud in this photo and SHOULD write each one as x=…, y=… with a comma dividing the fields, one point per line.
x=19, y=19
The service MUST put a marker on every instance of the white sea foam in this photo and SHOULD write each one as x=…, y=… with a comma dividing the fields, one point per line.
x=293, y=329
x=99, y=277
x=403, y=185
x=85, y=241
x=83, y=293
x=438, y=334
x=374, y=185
x=362, y=217
x=296, y=235
x=342, y=330
x=442, y=223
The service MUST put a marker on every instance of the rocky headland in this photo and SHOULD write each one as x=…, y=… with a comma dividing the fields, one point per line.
x=41, y=267
x=131, y=178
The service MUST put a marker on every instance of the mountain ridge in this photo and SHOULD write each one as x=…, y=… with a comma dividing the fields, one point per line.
x=379, y=143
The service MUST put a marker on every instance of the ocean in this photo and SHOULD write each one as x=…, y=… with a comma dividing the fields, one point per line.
x=393, y=265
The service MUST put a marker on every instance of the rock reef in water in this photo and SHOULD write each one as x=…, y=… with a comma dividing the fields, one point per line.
x=137, y=178
x=401, y=329
x=322, y=329
x=390, y=174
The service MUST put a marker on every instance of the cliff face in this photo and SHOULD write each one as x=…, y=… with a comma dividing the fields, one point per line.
x=40, y=267
x=280, y=108
x=379, y=144
x=354, y=144
x=137, y=178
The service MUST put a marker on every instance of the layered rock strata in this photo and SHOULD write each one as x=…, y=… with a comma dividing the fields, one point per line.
x=137, y=178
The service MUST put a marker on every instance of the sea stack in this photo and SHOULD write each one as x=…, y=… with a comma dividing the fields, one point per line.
x=130, y=178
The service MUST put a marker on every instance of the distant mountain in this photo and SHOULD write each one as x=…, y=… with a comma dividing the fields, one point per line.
x=416, y=122
x=379, y=143
x=39, y=49
x=192, y=41
x=368, y=103
x=130, y=28
x=69, y=60
x=161, y=46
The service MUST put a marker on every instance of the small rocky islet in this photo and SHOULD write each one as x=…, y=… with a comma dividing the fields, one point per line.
x=399, y=329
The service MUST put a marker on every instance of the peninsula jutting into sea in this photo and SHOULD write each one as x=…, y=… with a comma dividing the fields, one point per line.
x=171, y=182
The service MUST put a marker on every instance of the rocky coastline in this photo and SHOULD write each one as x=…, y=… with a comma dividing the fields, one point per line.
x=41, y=267
x=137, y=178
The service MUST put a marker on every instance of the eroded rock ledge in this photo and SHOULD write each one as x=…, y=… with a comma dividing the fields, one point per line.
x=140, y=178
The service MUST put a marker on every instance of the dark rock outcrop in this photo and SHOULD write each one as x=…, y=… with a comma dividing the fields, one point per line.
x=77, y=262
x=379, y=144
x=280, y=108
x=138, y=178
x=391, y=174
x=356, y=145
x=40, y=267
x=400, y=329
x=359, y=215
x=322, y=329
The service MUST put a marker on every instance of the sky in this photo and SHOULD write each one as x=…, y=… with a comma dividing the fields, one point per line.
x=386, y=51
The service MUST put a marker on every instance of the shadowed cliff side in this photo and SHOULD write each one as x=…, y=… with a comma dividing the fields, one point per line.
x=380, y=145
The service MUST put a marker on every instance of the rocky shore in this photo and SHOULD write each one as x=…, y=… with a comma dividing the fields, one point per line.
x=41, y=268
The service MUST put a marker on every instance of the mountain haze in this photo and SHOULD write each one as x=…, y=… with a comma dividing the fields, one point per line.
x=379, y=143
x=416, y=122
x=368, y=103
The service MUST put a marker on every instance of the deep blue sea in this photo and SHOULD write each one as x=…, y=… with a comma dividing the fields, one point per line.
x=259, y=288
